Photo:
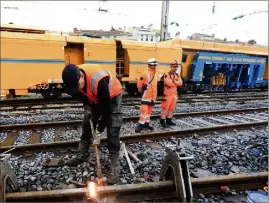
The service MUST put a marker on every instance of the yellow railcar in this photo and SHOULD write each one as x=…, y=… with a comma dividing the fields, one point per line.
x=35, y=59
x=32, y=60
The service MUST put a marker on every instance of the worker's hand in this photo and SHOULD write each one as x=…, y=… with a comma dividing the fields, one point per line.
x=145, y=87
x=97, y=132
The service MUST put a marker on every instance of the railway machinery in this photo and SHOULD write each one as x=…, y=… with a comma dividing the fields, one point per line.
x=32, y=60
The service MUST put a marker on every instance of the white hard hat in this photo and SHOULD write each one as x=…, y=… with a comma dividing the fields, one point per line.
x=153, y=62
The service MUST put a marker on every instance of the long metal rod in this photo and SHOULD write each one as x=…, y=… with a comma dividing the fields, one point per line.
x=78, y=122
x=135, y=137
x=199, y=185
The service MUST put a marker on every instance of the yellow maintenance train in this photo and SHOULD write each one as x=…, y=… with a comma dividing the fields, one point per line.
x=32, y=61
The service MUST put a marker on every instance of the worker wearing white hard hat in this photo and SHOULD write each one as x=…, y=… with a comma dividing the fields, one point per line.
x=147, y=85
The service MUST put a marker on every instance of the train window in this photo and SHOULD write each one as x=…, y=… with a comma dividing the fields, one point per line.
x=184, y=58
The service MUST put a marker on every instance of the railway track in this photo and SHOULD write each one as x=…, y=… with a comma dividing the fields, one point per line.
x=33, y=100
x=156, y=190
x=146, y=191
x=195, y=124
x=187, y=125
x=65, y=103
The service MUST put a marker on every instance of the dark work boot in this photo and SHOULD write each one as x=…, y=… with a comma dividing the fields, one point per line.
x=139, y=128
x=169, y=121
x=82, y=155
x=114, y=171
x=163, y=124
x=147, y=126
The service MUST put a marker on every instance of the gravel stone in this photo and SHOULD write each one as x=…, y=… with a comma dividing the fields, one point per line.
x=3, y=136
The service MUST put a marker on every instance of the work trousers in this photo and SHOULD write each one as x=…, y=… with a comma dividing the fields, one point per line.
x=113, y=127
x=168, y=106
x=145, y=112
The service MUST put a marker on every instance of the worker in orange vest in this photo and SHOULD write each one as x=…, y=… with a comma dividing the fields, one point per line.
x=147, y=85
x=172, y=80
x=101, y=94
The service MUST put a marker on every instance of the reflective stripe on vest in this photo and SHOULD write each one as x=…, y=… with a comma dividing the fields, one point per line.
x=146, y=89
x=97, y=76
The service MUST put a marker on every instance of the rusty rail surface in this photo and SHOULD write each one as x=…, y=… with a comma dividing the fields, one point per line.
x=135, y=137
x=148, y=191
x=134, y=118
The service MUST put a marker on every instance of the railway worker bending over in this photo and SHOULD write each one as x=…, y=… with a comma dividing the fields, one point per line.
x=102, y=98
x=171, y=81
x=147, y=85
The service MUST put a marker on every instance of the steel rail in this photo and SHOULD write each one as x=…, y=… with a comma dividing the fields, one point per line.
x=134, y=137
x=41, y=101
x=80, y=106
x=209, y=100
x=133, y=118
x=207, y=185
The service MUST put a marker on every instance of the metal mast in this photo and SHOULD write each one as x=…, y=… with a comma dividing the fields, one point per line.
x=164, y=20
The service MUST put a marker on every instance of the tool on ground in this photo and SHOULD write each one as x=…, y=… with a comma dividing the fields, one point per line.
x=96, y=143
x=175, y=167
x=128, y=159
x=8, y=179
x=132, y=155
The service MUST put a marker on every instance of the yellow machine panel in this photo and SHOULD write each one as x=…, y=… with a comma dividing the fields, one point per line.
x=23, y=59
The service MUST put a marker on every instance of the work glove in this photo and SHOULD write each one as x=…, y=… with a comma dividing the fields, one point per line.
x=97, y=132
x=145, y=87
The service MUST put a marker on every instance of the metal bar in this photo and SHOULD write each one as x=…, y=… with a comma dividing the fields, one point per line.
x=247, y=117
x=220, y=120
x=259, y=116
x=137, y=137
x=185, y=123
x=78, y=122
x=203, y=122
x=128, y=159
x=199, y=185
x=133, y=156
x=232, y=118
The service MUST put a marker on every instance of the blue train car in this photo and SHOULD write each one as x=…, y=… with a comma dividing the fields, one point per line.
x=220, y=71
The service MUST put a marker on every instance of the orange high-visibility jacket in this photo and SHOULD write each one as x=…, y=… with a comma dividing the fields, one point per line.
x=171, y=82
x=148, y=78
x=94, y=73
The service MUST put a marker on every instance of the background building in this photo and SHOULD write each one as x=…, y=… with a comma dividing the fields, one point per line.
x=145, y=34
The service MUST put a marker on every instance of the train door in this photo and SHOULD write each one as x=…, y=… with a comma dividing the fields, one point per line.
x=74, y=53
x=208, y=72
x=255, y=73
x=244, y=76
x=122, y=64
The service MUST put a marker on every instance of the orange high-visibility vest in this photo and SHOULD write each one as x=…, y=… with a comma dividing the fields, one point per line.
x=94, y=73
x=171, y=82
x=148, y=77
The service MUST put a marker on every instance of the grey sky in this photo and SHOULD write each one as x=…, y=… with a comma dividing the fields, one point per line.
x=193, y=16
